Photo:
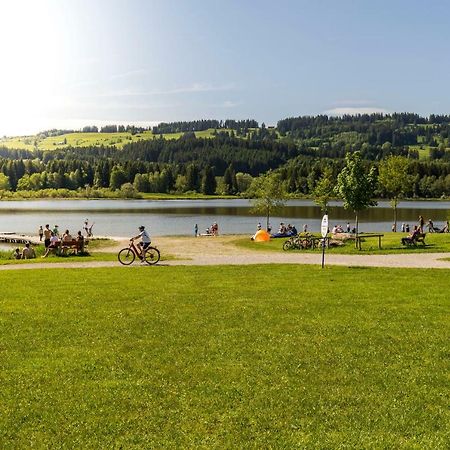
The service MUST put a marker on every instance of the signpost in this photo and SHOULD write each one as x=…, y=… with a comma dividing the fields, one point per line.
x=324, y=231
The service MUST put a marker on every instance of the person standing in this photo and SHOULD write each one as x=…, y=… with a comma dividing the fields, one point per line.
x=47, y=235
x=41, y=233
x=196, y=230
x=86, y=227
x=421, y=224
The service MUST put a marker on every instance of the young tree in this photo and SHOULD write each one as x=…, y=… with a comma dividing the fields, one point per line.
x=117, y=178
x=355, y=186
x=141, y=183
x=267, y=195
x=4, y=182
x=394, y=179
x=323, y=190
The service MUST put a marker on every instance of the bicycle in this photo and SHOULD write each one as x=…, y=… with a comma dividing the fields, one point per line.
x=298, y=242
x=127, y=255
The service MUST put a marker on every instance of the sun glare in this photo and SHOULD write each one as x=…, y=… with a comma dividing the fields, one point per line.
x=30, y=46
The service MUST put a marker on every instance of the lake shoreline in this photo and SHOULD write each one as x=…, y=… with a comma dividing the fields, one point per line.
x=167, y=217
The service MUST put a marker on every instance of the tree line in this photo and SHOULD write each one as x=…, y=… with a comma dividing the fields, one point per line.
x=201, y=125
x=430, y=179
x=230, y=160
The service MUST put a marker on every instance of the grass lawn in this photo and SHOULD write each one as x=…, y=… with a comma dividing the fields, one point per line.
x=229, y=357
x=95, y=253
x=390, y=242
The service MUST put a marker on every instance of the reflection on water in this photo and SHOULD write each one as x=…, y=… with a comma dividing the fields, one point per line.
x=178, y=217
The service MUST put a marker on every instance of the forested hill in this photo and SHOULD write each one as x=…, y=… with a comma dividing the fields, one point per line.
x=234, y=152
x=398, y=129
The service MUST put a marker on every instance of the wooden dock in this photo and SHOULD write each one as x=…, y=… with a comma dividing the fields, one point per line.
x=14, y=238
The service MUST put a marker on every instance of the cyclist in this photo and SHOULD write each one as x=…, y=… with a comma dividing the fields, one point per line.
x=145, y=240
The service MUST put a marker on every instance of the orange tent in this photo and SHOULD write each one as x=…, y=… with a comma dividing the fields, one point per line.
x=261, y=236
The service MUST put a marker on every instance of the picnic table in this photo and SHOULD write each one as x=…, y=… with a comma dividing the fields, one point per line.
x=61, y=248
x=363, y=236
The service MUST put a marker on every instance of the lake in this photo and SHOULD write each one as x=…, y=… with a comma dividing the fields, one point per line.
x=178, y=217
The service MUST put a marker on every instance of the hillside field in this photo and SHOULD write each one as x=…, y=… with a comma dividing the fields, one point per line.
x=88, y=139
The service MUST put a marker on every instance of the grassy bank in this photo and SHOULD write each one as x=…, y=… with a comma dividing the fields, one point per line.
x=103, y=194
x=228, y=357
x=390, y=243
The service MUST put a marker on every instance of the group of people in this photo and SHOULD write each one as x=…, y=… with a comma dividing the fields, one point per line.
x=337, y=229
x=26, y=253
x=422, y=227
x=53, y=241
x=213, y=230
x=45, y=233
x=285, y=231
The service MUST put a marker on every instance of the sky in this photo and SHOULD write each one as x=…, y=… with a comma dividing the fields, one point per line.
x=71, y=63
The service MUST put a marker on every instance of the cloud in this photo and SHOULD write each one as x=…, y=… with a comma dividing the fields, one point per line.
x=353, y=102
x=229, y=104
x=196, y=87
x=354, y=110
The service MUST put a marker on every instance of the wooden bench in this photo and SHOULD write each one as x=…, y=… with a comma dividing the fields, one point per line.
x=360, y=237
x=75, y=245
x=420, y=237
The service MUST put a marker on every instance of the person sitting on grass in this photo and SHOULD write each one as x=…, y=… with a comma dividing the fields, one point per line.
x=431, y=228
x=282, y=228
x=16, y=254
x=412, y=236
x=28, y=252
x=145, y=241
x=445, y=229
x=54, y=244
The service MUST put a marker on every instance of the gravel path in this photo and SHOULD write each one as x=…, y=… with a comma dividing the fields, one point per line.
x=220, y=250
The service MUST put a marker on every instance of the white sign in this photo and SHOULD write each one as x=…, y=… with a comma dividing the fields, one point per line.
x=324, y=226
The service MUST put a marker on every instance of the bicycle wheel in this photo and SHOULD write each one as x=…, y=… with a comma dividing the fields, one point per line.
x=297, y=244
x=126, y=256
x=287, y=245
x=151, y=255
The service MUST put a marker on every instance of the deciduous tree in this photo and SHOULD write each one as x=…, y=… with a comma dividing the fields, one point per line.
x=355, y=186
x=267, y=195
x=394, y=179
x=324, y=189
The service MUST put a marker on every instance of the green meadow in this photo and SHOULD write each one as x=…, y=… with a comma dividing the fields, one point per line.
x=89, y=139
x=279, y=356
